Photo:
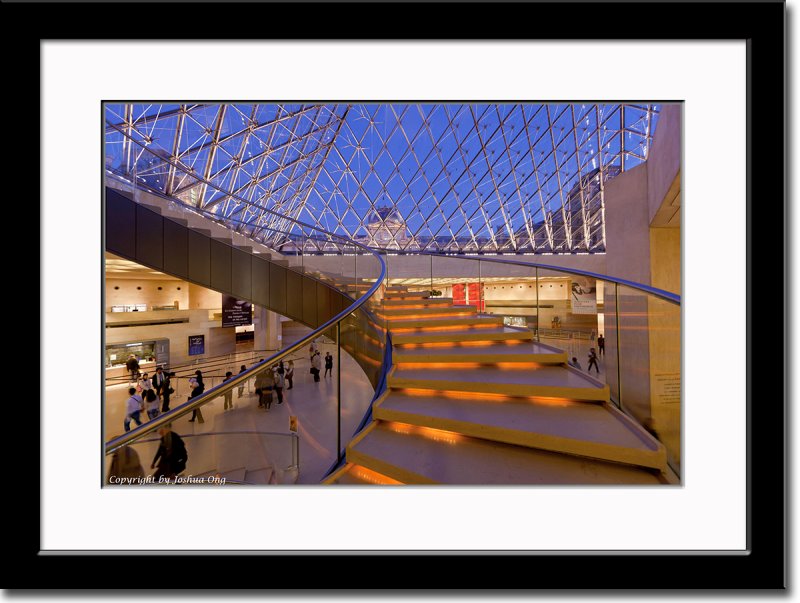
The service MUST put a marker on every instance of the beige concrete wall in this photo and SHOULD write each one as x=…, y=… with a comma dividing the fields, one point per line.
x=126, y=291
x=200, y=297
x=665, y=259
x=218, y=340
x=628, y=226
x=416, y=266
x=664, y=161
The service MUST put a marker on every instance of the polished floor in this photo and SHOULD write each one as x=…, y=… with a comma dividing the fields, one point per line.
x=314, y=405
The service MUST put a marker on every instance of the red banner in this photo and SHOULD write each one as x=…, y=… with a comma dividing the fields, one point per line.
x=474, y=295
x=459, y=294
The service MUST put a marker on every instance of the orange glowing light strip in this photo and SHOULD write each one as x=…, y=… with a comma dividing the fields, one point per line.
x=463, y=344
x=503, y=366
x=417, y=316
x=540, y=400
x=373, y=477
x=437, y=329
x=438, y=435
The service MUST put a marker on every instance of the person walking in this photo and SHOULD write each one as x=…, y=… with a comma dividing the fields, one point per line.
x=264, y=385
x=198, y=387
x=145, y=384
x=592, y=361
x=328, y=363
x=574, y=362
x=316, y=365
x=241, y=387
x=171, y=455
x=133, y=407
x=601, y=345
x=279, y=377
x=151, y=404
x=158, y=381
x=290, y=374
x=228, y=395
x=166, y=391
x=133, y=368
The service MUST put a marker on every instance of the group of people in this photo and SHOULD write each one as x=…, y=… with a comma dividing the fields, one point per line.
x=146, y=395
x=271, y=381
x=593, y=356
x=316, y=362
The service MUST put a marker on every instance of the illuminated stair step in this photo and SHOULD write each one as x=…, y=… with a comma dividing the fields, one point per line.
x=407, y=295
x=421, y=312
x=419, y=455
x=356, y=475
x=422, y=303
x=538, y=380
x=481, y=334
x=433, y=323
x=526, y=351
x=591, y=430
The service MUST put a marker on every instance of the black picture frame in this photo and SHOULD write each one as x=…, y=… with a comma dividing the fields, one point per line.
x=763, y=566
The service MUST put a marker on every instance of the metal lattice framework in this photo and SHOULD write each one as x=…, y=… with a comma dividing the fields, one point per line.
x=478, y=178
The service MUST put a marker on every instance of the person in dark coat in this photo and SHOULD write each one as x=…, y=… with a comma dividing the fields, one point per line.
x=241, y=387
x=228, y=395
x=133, y=367
x=198, y=387
x=601, y=345
x=166, y=391
x=592, y=361
x=171, y=455
x=328, y=364
x=158, y=381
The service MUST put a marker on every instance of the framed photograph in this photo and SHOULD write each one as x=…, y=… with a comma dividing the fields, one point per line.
x=585, y=198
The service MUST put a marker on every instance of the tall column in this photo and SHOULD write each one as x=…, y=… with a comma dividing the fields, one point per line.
x=266, y=329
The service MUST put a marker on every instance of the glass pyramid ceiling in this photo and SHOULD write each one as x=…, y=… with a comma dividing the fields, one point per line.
x=479, y=178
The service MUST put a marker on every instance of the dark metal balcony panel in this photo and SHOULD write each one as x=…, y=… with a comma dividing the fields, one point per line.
x=294, y=295
x=277, y=288
x=199, y=258
x=120, y=224
x=220, y=266
x=310, y=302
x=260, y=281
x=324, y=313
x=241, y=274
x=149, y=238
x=176, y=249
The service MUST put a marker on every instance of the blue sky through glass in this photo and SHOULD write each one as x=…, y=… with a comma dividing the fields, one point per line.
x=510, y=178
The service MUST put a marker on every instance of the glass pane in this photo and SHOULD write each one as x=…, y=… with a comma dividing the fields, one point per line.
x=650, y=366
x=509, y=290
x=238, y=458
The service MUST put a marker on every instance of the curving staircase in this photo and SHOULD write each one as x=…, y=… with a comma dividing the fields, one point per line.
x=470, y=401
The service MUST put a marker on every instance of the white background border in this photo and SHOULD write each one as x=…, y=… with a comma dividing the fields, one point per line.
x=707, y=513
